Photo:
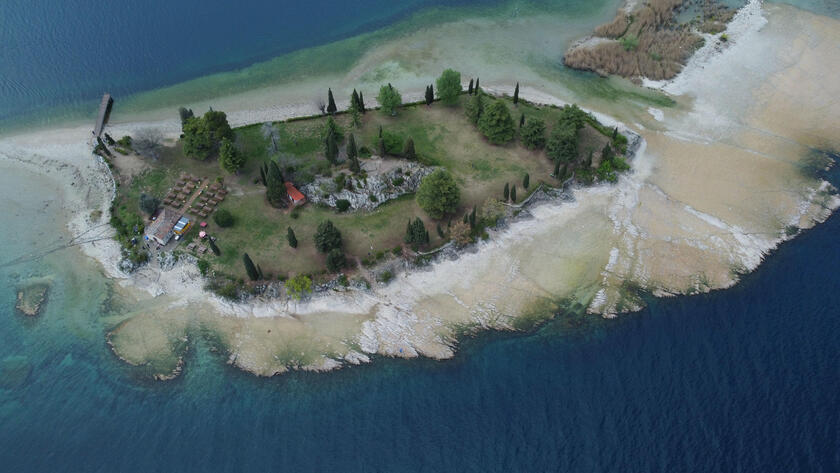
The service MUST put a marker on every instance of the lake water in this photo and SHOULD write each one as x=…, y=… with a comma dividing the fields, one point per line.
x=745, y=379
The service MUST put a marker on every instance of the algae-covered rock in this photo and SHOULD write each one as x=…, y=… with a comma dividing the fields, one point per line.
x=31, y=296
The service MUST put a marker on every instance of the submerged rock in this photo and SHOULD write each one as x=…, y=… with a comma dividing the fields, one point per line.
x=31, y=296
x=14, y=371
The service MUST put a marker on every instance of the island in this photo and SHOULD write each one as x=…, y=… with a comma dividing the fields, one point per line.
x=340, y=197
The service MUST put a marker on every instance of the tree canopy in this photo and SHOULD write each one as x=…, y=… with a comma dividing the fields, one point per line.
x=562, y=145
x=230, y=159
x=532, y=134
x=202, y=135
x=496, y=124
x=438, y=194
x=475, y=107
x=275, y=186
x=389, y=98
x=449, y=86
x=327, y=237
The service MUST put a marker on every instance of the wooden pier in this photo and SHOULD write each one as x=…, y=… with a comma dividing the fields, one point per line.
x=104, y=112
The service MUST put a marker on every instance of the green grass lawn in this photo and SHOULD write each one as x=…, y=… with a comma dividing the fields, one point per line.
x=443, y=136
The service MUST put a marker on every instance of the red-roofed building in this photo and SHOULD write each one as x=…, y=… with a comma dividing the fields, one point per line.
x=295, y=195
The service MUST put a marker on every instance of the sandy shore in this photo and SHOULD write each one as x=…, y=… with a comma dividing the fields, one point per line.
x=715, y=188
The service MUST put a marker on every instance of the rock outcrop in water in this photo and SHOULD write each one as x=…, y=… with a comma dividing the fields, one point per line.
x=31, y=297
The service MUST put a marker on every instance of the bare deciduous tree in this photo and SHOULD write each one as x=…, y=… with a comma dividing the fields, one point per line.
x=148, y=143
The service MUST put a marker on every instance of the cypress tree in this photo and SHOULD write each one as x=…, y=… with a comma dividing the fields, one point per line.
x=466, y=218
x=361, y=102
x=380, y=131
x=290, y=237
x=472, y=218
x=381, y=147
x=331, y=108
x=250, y=268
x=352, y=152
x=507, y=191
x=213, y=247
x=275, y=188
x=354, y=100
x=615, y=133
x=526, y=181
x=409, y=152
x=477, y=89
x=513, y=194
x=331, y=148
x=557, y=169
x=430, y=95
x=516, y=94
x=521, y=120
x=470, y=88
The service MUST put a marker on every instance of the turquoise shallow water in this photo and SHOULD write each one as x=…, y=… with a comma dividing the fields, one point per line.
x=745, y=379
x=740, y=380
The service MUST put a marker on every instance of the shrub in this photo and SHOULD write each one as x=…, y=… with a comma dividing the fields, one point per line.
x=449, y=86
x=224, y=218
x=533, y=134
x=335, y=260
x=562, y=146
x=299, y=286
x=125, y=141
x=397, y=181
x=148, y=203
x=496, y=123
x=389, y=98
x=385, y=276
x=342, y=205
x=327, y=237
x=438, y=194
x=203, y=267
x=394, y=143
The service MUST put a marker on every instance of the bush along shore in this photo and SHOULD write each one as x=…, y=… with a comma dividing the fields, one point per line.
x=350, y=198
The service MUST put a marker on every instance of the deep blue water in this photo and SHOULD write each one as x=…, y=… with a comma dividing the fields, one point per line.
x=746, y=379
x=67, y=53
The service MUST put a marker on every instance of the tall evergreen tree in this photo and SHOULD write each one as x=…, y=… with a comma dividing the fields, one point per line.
x=513, y=194
x=526, y=181
x=470, y=88
x=381, y=147
x=473, y=219
x=331, y=148
x=230, y=159
x=430, y=95
x=516, y=94
x=331, y=108
x=477, y=89
x=215, y=249
x=409, y=152
x=557, y=169
x=290, y=237
x=275, y=186
x=250, y=268
x=353, y=154
x=362, y=103
x=521, y=120
x=475, y=107
x=507, y=191
x=354, y=100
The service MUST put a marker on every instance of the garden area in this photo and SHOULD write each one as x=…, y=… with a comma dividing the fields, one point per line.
x=475, y=150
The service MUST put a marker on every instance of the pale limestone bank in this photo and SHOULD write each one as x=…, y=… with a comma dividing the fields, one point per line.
x=722, y=178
